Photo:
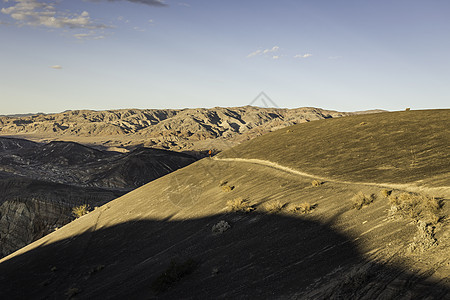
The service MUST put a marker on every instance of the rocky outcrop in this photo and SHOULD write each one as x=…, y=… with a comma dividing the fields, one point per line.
x=24, y=222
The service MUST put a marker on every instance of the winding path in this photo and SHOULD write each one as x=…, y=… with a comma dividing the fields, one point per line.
x=443, y=191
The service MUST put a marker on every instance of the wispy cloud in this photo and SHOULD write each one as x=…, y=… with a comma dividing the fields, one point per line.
x=184, y=4
x=303, y=55
x=56, y=67
x=265, y=51
x=254, y=53
x=34, y=13
x=147, y=2
x=274, y=49
x=92, y=35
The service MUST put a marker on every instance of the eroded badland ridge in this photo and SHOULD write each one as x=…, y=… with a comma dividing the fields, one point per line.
x=175, y=129
x=41, y=183
x=346, y=208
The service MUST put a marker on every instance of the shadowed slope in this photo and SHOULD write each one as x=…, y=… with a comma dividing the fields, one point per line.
x=262, y=256
x=120, y=249
x=397, y=147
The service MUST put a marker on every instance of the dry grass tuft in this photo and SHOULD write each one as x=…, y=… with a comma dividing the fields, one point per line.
x=385, y=193
x=316, y=183
x=227, y=188
x=274, y=206
x=81, y=210
x=360, y=199
x=303, y=208
x=416, y=206
x=239, y=205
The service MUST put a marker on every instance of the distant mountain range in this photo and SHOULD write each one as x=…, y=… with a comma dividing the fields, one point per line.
x=194, y=130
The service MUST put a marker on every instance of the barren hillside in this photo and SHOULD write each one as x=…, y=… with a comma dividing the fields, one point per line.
x=242, y=225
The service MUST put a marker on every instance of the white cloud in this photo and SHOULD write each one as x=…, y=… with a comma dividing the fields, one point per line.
x=265, y=51
x=274, y=49
x=184, y=4
x=34, y=13
x=56, y=67
x=148, y=2
x=92, y=35
x=275, y=57
x=302, y=55
x=254, y=53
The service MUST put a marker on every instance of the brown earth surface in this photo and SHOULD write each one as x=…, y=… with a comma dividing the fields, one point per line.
x=176, y=237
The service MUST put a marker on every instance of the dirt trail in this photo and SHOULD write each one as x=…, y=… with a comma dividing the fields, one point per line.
x=443, y=191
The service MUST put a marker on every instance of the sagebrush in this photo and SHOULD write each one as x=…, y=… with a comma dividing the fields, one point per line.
x=360, y=199
x=416, y=206
x=303, y=208
x=274, y=206
x=240, y=205
x=81, y=210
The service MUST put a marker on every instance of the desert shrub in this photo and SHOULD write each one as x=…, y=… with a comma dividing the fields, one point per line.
x=316, y=183
x=227, y=188
x=220, y=227
x=302, y=208
x=174, y=273
x=385, y=193
x=360, y=199
x=416, y=206
x=81, y=210
x=239, y=204
x=274, y=206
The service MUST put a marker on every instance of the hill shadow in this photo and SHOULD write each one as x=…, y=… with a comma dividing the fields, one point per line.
x=259, y=256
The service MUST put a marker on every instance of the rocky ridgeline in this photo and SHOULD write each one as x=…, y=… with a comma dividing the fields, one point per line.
x=175, y=129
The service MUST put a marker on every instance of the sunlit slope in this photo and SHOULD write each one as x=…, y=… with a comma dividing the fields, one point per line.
x=335, y=250
x=395, y=147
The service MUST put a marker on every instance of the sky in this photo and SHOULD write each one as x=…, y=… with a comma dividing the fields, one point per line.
x=345, y=55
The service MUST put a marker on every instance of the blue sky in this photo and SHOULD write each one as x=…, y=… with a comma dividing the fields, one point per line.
x=342, y=55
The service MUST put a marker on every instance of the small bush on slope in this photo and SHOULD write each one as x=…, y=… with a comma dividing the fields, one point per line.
x=81, y=210
x=316, y=183
x=416, y=206
x=239, y=204
x=360, y=200
x=274, y=206
x=385, y=193
x=303, y=208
